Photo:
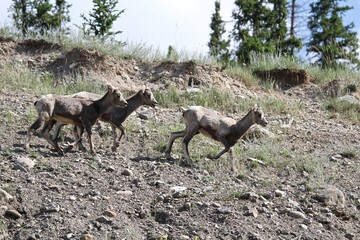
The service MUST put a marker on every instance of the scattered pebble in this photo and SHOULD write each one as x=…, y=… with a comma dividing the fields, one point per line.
x=110, y=213
x=279, y=193
x=127, y=172
x=223, y=210
x=296, y=214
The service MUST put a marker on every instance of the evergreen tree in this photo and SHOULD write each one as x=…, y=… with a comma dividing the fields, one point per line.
x=251, y=31
x=61, y=13
x=102, y=18
x=279, y=30
x=330, y=39
x=39, y=15
x=218, y=46
x=42, y=18
x=21, y=14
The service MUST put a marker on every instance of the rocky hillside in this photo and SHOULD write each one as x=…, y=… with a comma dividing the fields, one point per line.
x=296, y=179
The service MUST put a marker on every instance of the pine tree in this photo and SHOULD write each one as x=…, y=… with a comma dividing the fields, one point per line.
x=251, y=31
x=218, y=46
x=21, y=14
x=330, y=39
x=61, y=13
x=277, y=21
x=39, y=15
x=42, y=18
x=102, y=18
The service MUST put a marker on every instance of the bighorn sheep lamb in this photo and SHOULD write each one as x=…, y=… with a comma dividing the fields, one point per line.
x=80, y=112
x=218, y=127
x=116, y=115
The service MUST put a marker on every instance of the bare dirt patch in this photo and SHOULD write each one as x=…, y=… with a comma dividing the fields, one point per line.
x=285, y=78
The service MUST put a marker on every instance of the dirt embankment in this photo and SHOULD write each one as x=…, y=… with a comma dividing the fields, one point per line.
x=136, y=194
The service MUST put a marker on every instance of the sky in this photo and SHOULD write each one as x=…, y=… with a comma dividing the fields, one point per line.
x=183, y=24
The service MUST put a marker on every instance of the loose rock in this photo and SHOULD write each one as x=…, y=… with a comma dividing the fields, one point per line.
x=110, y=213
x=331, y=196
x=87, y=237
x=296, y=214
x=127, y=172
x=23, y=164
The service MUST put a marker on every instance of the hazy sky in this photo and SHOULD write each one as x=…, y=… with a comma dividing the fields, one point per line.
x=183, y=24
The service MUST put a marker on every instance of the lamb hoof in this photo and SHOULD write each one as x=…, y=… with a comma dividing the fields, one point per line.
x=113, y=148
x=211, y=156
x=97, y=159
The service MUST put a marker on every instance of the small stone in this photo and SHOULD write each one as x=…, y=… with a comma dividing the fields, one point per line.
x=72, y=198
x=110, y=213
x=50, y=209
x=12, y=213
x=296, y=214
x=3, y=209
x=30, y=180
x=159, y=183
x=331, y=196
x=178, y=192
x=249, y=195
x=103, y=219
x=87, y=237
x=160, y=198
x=206, y=204
x=307, y=221
x=284, y=210
x=279, y=193
x=184, y=237
x=72, y=65
x=208, y=189
x=5, y=196
x=111, y=169
x=126, y=193
x=204, y=172
x=69, y=235
x=223, y=210
x=23, y=163
x=253, y=212
x=97, y=159
x=303, y=226
x=147, y=114
x=214, y=204
x=199, y=204
x=350, y=236
x=86, y=214
x=127, y=172
x=187, y=206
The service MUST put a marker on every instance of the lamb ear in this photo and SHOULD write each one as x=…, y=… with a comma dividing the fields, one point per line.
x=110, y=87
